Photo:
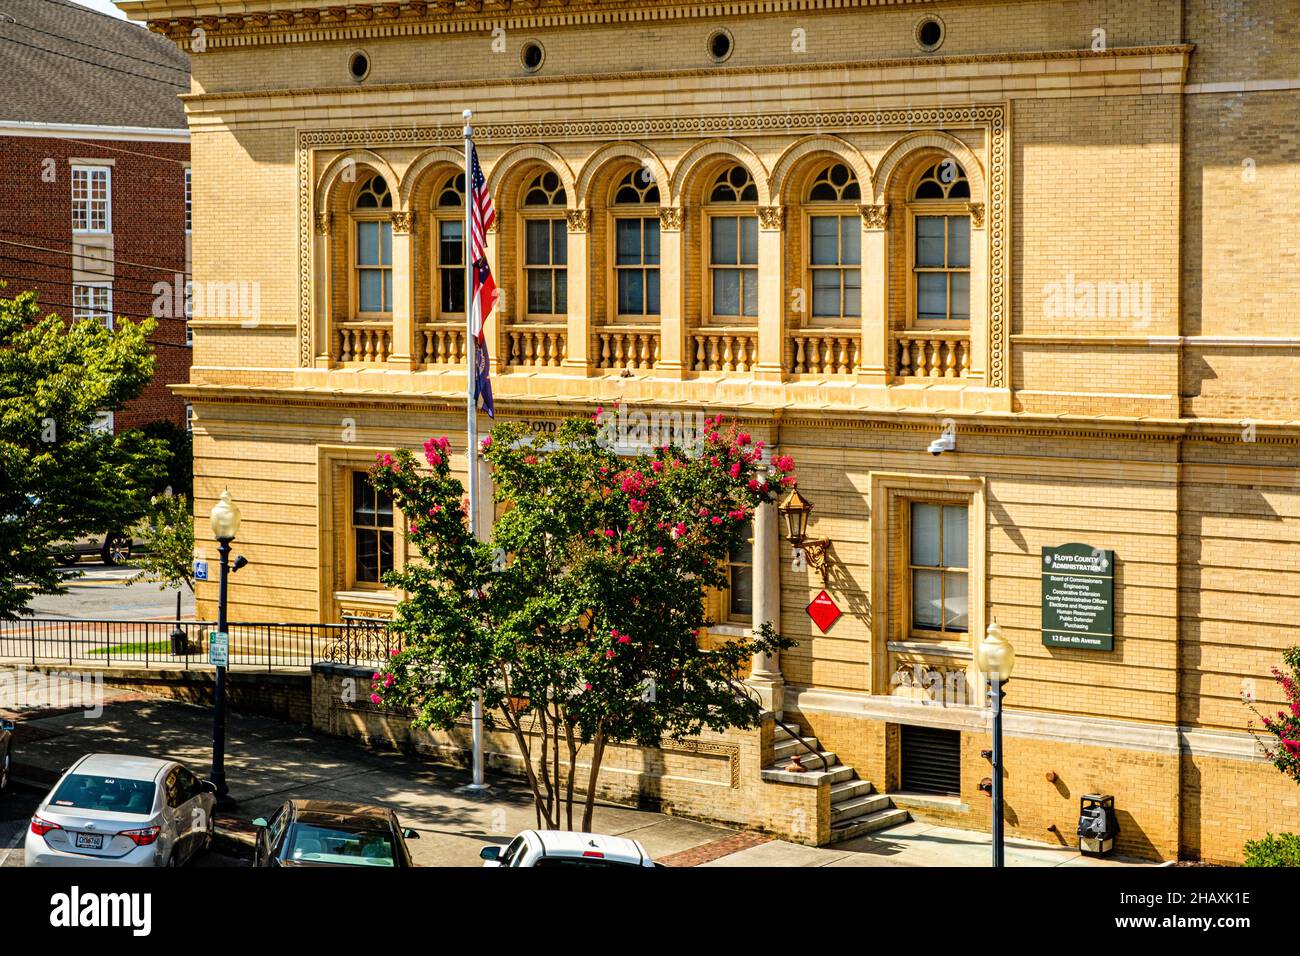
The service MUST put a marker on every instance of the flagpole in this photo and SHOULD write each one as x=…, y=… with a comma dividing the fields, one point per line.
x=471, y=415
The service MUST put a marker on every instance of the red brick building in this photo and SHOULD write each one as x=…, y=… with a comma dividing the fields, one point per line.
x=94, y=178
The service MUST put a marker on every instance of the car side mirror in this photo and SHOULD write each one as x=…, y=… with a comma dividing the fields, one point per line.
x=490, y=853
x=260, y=823
x=209, y=787
x=6, y=725
x=409, y=834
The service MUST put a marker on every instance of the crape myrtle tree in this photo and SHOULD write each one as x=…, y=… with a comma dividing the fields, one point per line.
x=60, y=478
x=580, y=619
x=1281, y=739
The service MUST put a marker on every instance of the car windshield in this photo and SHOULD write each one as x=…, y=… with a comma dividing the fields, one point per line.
x=88, y=792
x=339, y=845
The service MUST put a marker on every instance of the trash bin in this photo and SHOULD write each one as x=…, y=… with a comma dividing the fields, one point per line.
x=1097, y=824
x=179, y=642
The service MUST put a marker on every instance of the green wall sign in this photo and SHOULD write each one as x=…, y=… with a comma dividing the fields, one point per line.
x=1079, y=597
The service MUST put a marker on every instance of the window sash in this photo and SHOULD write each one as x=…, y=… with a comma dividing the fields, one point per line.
x=449, y=268
x=92, y=302
x=941, y=268
x=91, y=199
x=372, y=263
x=546, y=276
x=189, y=221
x=938, y=568
x=740, y=578
x=370, y=521
x=636, y=266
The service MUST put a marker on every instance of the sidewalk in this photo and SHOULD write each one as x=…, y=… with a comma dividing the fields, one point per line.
x=270, y=761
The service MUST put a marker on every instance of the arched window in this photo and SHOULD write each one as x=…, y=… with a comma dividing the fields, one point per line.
x=835, y=243
x=939, y=220
x=372, y=260
x=732, y=261
x=546, y=247
x=449, y=248
x=636, y=244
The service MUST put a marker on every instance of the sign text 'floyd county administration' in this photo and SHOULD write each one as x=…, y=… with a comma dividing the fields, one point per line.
x=1079, y=597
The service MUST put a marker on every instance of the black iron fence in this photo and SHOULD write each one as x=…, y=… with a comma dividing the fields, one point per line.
x=185, y=643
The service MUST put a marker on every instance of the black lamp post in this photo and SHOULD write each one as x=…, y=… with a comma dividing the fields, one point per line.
x=225, y=525
x=996, y=658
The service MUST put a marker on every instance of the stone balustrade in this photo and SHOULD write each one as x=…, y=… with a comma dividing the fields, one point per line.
x=369, y=342
x=724, y=350
x=624, y=347
x=824, y=352
x=923, y=354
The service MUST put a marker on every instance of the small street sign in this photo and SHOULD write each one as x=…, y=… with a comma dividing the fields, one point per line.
x=200, y=570
x=824, y=611
x=218, y=648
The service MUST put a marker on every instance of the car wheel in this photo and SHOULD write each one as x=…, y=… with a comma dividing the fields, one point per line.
x=117, y=549
x=171, y=860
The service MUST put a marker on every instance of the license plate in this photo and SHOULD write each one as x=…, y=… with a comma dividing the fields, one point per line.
x=90, y=841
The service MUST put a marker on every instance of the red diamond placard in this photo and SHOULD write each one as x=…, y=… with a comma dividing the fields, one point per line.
x=824, y=611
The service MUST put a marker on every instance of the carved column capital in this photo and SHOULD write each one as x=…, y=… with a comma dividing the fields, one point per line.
x=324, y=223
x=577, y=219
x=670, y=218
x=403, y=222
x=771, y=218
x=875, y=217
x=976, y=214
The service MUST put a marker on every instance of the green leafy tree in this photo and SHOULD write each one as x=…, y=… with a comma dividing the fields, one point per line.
x=580, y=619
x=168, y=537
x=59, y=477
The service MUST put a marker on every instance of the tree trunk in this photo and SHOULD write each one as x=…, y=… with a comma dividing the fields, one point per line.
x=597, y=753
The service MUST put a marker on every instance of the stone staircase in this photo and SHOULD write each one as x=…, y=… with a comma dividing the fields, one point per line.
x=856, y=808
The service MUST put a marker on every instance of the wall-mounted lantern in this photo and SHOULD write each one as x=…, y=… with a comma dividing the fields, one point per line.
x=795, y=510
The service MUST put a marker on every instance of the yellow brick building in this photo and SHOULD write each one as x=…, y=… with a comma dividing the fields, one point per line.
x=1062, y=233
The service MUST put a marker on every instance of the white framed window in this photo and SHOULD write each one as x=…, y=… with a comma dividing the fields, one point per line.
x=372, y=264
x=189, y=419
x=449, y=250
x=835, y=245
x=189, y=220
x=939, y=561
x=92, y=204
x=189, y=313
x=636, y=246
x=93, y=301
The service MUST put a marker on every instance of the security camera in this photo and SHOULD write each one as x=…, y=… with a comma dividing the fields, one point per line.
x=945, y=442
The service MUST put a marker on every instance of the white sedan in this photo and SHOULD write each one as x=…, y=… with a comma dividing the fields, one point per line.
x=111, y=810
x=565, y=848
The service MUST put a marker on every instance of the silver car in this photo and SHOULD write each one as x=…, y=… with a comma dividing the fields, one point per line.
x=112, y=810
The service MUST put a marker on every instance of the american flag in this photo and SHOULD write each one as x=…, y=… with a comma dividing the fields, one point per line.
x=481, y=217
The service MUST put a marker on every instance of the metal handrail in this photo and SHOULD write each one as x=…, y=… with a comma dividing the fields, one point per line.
x=750, y=694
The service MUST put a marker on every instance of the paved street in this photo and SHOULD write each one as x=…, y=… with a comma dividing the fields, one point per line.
x=270, y=761
x=102, y=593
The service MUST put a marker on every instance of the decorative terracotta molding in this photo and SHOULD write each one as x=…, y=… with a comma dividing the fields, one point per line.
x=771, y=218
x=670, y=219
x=403, y=222
x=875, y=217
x=324, y=223
x=976, y=214
x=577, y=219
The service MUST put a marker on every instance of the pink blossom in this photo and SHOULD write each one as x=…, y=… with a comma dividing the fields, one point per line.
x=375, y=699
x=789, y=480
x=586, y=686
x=743, y=438
x=783, y=463
x=716, y=520
x=623, y=638
x=679, y=529
x=659, y=549
x=657, y=466
x=636, y=506
x=375, y=675
x=735, y=470
x=389, y=680
x=608, y=655
x=609, y=532
x=486, y=443
x=753, y=484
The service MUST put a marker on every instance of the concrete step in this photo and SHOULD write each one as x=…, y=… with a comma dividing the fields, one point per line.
x=785, y=749
x=777, y=773
x=849, y=789
x=809, y=760
x=862, y=806
x=871, y=823
x=780, y=733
